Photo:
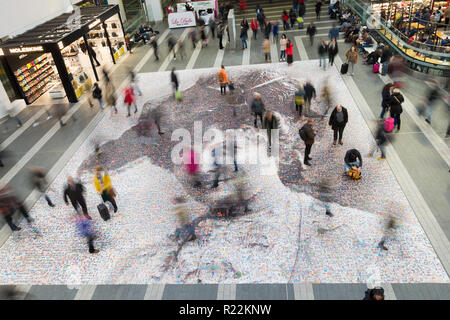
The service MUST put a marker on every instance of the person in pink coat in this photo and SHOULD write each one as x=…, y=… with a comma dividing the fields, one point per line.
x=192, y=167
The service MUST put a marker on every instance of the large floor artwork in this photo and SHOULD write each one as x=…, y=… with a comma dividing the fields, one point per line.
x=285, y=237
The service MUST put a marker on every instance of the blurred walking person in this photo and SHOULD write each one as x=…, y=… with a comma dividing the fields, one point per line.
x=130, y=99
x=432, y=96
x=110, y=96
x=103, y=185
x=257, y=108
x=323, y=50
x=154, y=44
x=311, y=32
x=134, y=83
x=8, y=206
x=380, y=140
x=318, y=7
x=97, y=94
x=212, y=26
x=266, y=49
x=254, y=26
x=74, y=191
x=174, y=80
x=270, y=122
x=171, y=43
x=307, y=134
x=310, y=93
x=299, y=99
x=39, y=182
x=86, y=229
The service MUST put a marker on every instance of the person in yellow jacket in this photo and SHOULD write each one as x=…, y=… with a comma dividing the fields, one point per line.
x=103, y=185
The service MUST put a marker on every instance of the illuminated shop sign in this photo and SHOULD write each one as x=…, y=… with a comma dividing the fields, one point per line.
x=26, y=49
x=95, y=23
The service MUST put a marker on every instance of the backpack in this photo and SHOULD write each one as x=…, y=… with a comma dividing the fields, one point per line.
x=354, y=174
x=302, y=133
x=221, y=77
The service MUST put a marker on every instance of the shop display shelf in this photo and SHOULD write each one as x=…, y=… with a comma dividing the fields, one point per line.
x=35, y=75
x=38, y=82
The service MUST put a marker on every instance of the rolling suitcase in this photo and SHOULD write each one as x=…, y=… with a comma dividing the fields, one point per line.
x=344, y=68
x=104, y=212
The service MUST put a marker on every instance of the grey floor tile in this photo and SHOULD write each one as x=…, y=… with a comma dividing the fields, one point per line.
x=190, y=292
x=119, y=292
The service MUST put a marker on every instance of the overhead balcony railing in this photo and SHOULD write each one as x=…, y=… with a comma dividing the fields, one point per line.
x=416, y=52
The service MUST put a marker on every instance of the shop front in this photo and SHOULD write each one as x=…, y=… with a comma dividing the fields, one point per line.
x=61, y=59
x=185, y=17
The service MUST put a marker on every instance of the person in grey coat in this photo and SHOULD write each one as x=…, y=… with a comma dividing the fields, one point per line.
x=257, y=108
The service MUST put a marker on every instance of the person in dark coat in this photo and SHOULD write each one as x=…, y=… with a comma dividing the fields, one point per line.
x=395, y=105
x=318, y=6
x=323, y=49
x=154, y=43
x=292, y=18
x=310, y=93
x=257, y=108
x=8, y=206
x=384, y=59
x=380, y=140
x=307, y=135
x=338, y=121
x=39, y=182
x=97, y=94
x=374, y=294
x=332, y=50
x=270, y=122
x=352, y=160
x=74, y=191
x=385, y=96
x=174, y=79
x=93, y=54
x=311, y=31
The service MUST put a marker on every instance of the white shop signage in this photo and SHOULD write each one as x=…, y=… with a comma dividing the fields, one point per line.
x=197, y=5
x=181, y=19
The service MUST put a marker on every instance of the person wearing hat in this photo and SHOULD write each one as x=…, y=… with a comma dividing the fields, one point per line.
x=257, y=107
x=395, y=107
x=103, y=185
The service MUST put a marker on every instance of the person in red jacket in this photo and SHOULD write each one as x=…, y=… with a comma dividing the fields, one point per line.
x=130, y=98
x=289, y=52
x=285, y=18
x=254, y=26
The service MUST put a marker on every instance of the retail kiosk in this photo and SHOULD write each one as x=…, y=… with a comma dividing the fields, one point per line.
x=59, y=58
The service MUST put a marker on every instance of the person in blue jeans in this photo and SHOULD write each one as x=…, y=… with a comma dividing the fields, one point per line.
x=334, y=32
x=323, y=50
x=244, y=37
x=385, y=57
x=352, y=160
